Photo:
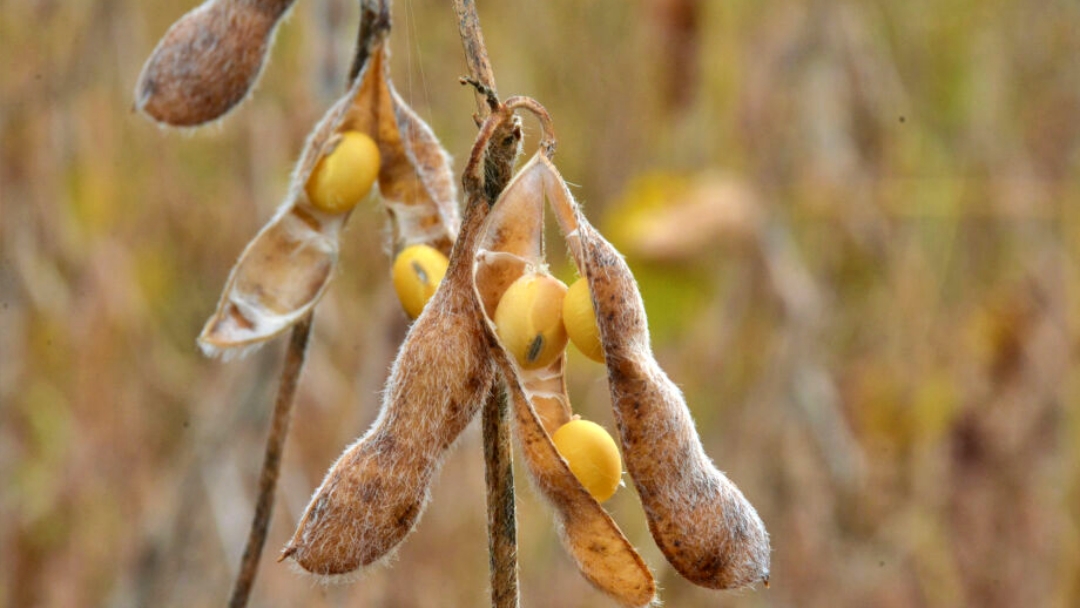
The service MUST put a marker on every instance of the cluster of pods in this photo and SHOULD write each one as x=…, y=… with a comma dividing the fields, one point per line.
x=486, y=312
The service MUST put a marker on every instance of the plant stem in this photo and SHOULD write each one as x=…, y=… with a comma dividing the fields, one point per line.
x=472, y=39
x=275, y=445
x=502, y=522
x=498, y=457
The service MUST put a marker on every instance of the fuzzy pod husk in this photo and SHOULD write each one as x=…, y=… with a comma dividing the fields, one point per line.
x=208, y=61
x=705, y=527
x=592, y=538
x=374, y=494
x=287, y=267
x=511, y=246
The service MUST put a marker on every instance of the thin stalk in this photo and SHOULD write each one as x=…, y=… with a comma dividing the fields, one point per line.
x=271, y=467
x=498, y=457
x=476, y=57
x=502, y=522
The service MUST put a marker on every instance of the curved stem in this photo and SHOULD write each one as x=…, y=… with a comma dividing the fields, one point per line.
x=271, y=467
x=547, y=127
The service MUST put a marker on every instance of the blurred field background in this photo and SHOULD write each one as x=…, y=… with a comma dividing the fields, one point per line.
x=856, y=226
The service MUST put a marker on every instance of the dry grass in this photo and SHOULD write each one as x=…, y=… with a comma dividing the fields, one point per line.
x=883, y=356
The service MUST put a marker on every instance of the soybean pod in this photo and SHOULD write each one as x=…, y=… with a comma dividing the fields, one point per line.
x=702, y=523
x=375, y=493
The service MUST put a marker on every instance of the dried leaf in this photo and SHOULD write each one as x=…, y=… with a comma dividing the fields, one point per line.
x=208, y=61
x=700, y=520
x=673, y=219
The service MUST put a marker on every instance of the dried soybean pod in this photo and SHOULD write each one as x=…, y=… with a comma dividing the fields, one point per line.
x=416, y=180
x=602, y=553
x=287, y=266
x=513, y=236
x=700, y=520
x=373, y=495
x=208, y=61
x=512, y=243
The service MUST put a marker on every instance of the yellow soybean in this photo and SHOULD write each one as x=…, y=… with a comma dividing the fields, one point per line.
x=592, y=455
x=344, y=175
x=529, y=320
x=580, y=320
x=417, y=272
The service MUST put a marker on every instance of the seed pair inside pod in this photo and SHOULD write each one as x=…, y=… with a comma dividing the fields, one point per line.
x=538, y=314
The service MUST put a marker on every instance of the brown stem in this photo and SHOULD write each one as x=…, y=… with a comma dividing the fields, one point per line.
x=472, y=39
x=275, y=446
x=485, y=180
x=547, y=127
x=502, y=523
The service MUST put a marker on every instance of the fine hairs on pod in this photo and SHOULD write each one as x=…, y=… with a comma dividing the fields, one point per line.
x=374, y=494
x=701, y=521
x=208, y=61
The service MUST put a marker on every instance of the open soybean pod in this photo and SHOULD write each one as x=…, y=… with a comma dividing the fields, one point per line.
x=374, y=494
x=700, y=520
x=513, y=243
x=208, y=61
x=416, y=180
x=512, y=246
x=288, y=265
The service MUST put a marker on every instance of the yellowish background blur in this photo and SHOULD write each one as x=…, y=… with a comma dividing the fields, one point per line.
x=856, y=225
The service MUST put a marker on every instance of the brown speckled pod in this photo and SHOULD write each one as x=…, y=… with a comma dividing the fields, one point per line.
x=700, y=520
x=513, y=243
x=374, y=494
x=208, y=61
x=287, y=266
